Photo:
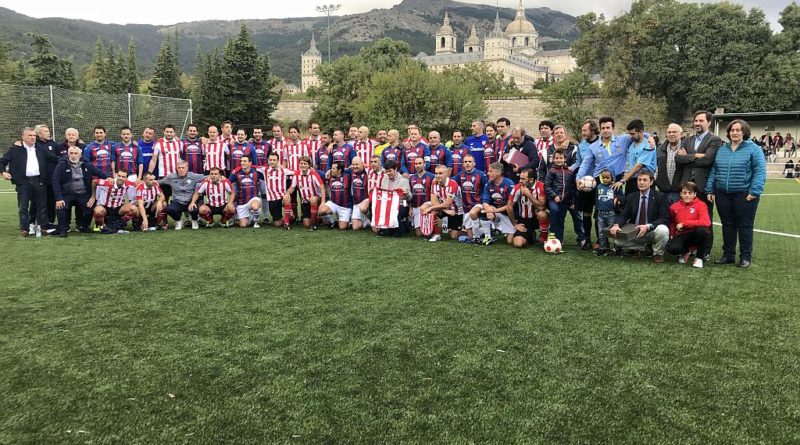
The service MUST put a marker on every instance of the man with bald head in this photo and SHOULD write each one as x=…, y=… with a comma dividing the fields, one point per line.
x=671, y=174
x=440, y=154
x=363, y=145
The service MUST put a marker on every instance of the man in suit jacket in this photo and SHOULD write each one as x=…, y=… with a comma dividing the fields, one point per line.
x=671, y=174
x=648, y=210
x=27, y=170
x=697, y=156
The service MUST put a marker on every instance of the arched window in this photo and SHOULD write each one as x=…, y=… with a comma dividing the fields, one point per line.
x=442, y=43
x=513, y=41
x=470, y=49
x=526, y=41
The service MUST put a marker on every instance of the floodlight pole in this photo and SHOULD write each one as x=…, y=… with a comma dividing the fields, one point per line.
x=328, y=10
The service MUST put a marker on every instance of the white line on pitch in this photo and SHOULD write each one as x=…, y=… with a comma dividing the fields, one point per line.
x=788, y=235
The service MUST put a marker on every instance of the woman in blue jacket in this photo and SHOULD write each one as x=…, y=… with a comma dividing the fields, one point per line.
x=735, y=182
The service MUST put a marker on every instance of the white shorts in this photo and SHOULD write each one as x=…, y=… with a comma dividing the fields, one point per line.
x=468, y=222
x=415, y=217
x=243, y=211
x=358, y=215
x=342, y=213
x=503, y=223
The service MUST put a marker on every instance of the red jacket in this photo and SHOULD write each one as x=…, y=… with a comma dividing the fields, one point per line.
x=692, y=215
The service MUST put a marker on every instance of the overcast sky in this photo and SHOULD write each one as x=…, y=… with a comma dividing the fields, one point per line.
x=167, y=13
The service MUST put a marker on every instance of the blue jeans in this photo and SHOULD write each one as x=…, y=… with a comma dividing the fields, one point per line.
x=605, y=219
x=579, y=226
x=558, y=213
x=737, y=216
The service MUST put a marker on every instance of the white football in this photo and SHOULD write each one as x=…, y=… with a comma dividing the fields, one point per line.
x=587, y=183
x=552, y=245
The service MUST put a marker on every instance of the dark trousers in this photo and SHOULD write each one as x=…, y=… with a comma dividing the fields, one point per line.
x=703, y=197
x=631, y=186
x=737, y=216
x=579, y=224
x=34, y=191
x=175, y=209
x=558, y=213
x=51, y=205
x=83, y=214
x=681, y=243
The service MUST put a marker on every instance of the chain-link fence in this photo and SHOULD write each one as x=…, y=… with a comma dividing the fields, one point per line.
x=28, y=106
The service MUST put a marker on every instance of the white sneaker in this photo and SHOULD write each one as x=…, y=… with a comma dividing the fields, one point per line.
x=178, y=225
x=32, y=229
x=152, y=229
x=195, y=225
x=684, y=258
x=256, y=225
x=698, y=263
x=435, y=238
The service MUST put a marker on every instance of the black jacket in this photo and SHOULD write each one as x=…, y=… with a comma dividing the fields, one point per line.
x=52, y=147
x=682, y=171
x=63, y=175
x=528, y=148
x=697, y=169
x=16, y=159
x=657, y=209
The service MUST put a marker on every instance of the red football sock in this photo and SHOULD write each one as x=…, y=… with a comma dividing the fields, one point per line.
x=435, y=226
x=207, y=216
x=226, y=216
x=161, y=217
x=287, y=214
x=314, y=211
x=99, y=220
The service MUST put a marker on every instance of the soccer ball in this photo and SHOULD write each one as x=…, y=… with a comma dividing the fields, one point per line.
x=552, y=245
x=586, y=183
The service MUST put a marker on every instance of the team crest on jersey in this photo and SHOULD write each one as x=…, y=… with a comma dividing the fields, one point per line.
x=357, y=182
x=337, y=184
x=126, y=155
x=419, y=188
x=246, y=180
x=691, y=209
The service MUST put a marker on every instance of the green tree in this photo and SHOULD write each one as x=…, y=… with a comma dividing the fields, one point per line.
x=411, y=93
x=9, y=69
x=166, y=80
x=247, y=81
x=131, y=73
x=208, y=99
x=566, y=100
x=490, y=82
x=342, y=80
x=48, y=68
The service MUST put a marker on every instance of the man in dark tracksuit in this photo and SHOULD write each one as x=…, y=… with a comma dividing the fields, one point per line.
x=72, y=184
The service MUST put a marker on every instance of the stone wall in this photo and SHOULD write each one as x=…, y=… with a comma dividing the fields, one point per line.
x=292, y=110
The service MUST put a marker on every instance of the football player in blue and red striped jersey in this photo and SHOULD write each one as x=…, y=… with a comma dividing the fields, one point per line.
x=261, y=148
x=239, y=148
x=193, y=150
x=394, y=151
x=496, y=202
x=340, y=200
x=247, y=183
x=420, y=183
x=341, y=151
x=439, y=153
x=359, y=190
x=98, y=153
x=459, y=151
x=414, y=149
x=471, y=182
x=126, y=155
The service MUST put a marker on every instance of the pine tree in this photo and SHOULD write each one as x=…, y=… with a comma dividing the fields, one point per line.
x=131, y=75
x=48, y=69
x=209, y=100
x=166, y=80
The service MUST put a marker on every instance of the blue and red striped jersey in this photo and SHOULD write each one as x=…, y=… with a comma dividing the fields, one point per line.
x=420, y=188
x=412, y=153
x=321, y=158
x=471, y=187
x=497, y=195
x=246, y=185
x=237, y=150
x=127, y=157
x=440, y=155
x=339, y=190
x=358, y=185
x=493, y=151
x=99, y=154
x=261, y=151
x=343, y=153
x=193, y=155
x=393, y=153
x=458, y=154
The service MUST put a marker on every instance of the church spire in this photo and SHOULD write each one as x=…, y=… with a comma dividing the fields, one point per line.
x=497, y=31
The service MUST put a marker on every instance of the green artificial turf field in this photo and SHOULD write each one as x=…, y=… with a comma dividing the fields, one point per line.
x=264, y=336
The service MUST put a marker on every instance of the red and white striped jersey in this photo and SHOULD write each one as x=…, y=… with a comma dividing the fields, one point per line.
x=525, y=205
x=364, y=149
x=279, y=147
x=309, y=184
x=146, y=194
x=278, y=182
x=225, y=140
x=373, y=179
x=111, y=195
x=541, y=146
x=215, y=155
x=293, y=152
x=451, y=190
x=217, y=194
x=313, y=144
x=169, y=153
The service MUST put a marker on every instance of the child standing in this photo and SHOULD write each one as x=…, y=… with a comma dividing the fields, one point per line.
x=606, y=209
x=559, y=184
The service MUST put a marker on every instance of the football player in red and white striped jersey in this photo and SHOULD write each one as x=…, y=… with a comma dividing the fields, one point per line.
x=215, y=151
x=281, y=185
x=530, y=199
x=219, y=194
x=313, y=141
x=446, y=202
x=363, y=145
x=114, y=198
x=312, y=192
x=166, y=154
x=374, y=177
x=149, y=202
x=227, y=133
x=278, y=144
x=294, y=150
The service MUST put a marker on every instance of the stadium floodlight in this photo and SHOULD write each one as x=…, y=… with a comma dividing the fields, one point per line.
x=328, y=10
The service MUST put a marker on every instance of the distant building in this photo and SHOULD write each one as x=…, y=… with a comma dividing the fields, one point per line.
x=309, y=62
x=516, y=52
